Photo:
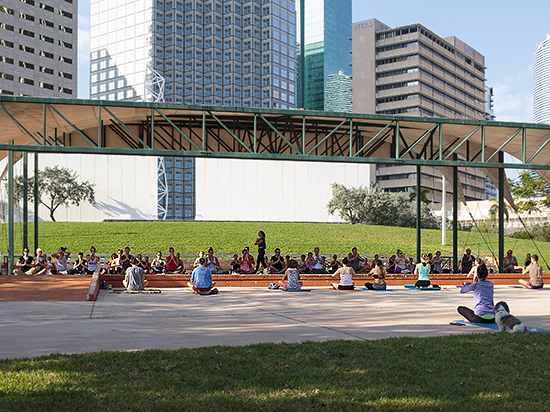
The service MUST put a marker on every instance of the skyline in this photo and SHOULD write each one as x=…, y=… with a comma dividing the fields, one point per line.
x=505, y=32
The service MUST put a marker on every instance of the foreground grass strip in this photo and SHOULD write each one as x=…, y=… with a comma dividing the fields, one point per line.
x=232, y=237
x=489, y=371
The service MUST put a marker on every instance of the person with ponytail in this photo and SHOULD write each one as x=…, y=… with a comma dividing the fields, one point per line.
x=423, y=270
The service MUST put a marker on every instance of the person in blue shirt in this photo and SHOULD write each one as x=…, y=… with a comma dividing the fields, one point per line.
x=484, y=307
x=201, y=280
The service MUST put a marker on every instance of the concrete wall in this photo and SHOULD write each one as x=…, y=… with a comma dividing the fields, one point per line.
x=126, y=186
x=263, y=190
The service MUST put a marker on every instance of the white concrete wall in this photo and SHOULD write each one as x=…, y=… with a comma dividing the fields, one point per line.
x=126, y=186
x=265, y=190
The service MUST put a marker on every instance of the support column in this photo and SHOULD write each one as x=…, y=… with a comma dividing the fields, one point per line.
x=443, y=211
x=25, y=200
x=455, y=218
x=418, y=212
x=501, y=207
x=10, y=211
x=36, y=201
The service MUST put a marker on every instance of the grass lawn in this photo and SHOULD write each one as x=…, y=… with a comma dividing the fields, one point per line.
x=489, y=371
x=232, y=237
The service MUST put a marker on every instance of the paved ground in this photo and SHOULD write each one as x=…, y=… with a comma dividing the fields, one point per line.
x=239, y=316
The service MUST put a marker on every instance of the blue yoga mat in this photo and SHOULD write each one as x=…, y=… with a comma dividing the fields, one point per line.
x=422, y=288
x=375, y=290
x=494, y=326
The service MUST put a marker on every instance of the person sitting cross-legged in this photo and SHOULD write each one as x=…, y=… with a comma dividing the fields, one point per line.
x=24, y=264
x=291, y=280
x=133, y=280
x=278, y=264
x=201, y=280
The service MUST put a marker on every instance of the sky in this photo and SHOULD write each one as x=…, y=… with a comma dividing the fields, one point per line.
x=506, y=32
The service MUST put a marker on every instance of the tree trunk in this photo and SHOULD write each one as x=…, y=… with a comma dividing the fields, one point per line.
x=51, y=215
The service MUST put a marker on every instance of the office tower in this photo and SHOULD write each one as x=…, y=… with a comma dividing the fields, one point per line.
x=38, y=48
x=339, y=93
x=541, y=82
x=412, y=71
x=206, y=52
x=231, y=53
x=324, y=32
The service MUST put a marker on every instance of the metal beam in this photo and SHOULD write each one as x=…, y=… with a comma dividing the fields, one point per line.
x=418, y=212
x=69, y=123
x=36, y=200
x=127, y=129
x=25, y=199
x=373, y=139
x=418, y=141
x=461, y=143
x=281, y=136
x=501, y=207
x=230, y=132
x=10, y=212
x=504, y=144
x=455, y=218
x=20, y=125
x=177, y=129
x=327, y=136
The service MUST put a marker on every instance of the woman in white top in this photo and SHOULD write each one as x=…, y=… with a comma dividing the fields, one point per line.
x=345, y=274
x=93, y=260
x=400, y=262
x=62, y=255
x=212, y=262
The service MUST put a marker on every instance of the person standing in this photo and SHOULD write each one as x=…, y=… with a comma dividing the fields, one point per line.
x=260, y=242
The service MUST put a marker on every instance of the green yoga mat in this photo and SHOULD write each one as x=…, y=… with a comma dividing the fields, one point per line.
x=422, y=288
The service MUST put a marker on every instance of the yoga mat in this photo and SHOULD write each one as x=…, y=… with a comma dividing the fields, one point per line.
x=494, y=326
x=135, y=292
x=376, y=290
x=523, y=287
x=412, y=287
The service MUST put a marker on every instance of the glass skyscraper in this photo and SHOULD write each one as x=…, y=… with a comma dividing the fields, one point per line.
x=231, y=53
x=541, y=83
x=324, y=46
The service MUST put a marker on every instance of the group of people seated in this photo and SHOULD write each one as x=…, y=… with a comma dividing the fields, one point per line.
x=42, y=264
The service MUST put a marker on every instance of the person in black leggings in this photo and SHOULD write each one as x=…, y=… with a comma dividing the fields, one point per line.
x=260, y=242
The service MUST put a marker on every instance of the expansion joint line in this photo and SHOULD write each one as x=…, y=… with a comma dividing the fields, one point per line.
x=299, y=320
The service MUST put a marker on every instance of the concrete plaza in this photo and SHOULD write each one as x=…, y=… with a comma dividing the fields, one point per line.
x=176, y=318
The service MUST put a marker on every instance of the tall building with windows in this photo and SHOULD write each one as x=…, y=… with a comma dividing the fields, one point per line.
x=207, y=52
x=230, y=53
x=541, y=82
x=38, y=48
x=323, y=46
x=410, y=70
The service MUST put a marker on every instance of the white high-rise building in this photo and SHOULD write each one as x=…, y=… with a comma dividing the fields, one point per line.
x=541, y=82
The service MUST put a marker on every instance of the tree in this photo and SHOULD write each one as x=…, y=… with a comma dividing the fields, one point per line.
x=531, y=191
x=56, y=186
x=376, y=206
x=423, y=193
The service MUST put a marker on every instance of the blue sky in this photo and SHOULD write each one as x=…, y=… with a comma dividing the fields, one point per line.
x=506, y=32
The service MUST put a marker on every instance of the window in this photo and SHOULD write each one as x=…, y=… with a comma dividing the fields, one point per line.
x=46, y=23
x=26, y=49
x=65, y=60
x=46, y=86
x=45, y=70
x=6, y=76
x=65, y=75
x=47, y=39
x=26, y=81
x=26, y=65
x=6, y=43
x=65, y=29
x=65, y=14
x=46, y=7
x=188, y=213
x=45, y=54
x=65, y=44
x=6, y=10
x=188, y=188
x=7, y=60
x=5, y=26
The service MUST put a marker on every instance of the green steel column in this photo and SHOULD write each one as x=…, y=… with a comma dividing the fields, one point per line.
x=501, y=207
x=10, y=211
x=36, y=200
x=455, y=217
x=25, y=200
x=418, y=213
x=302, y=57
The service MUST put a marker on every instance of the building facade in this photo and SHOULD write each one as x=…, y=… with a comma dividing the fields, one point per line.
x=410, y=70
x=230, y=53
x=38, y=48
x=225, y=53
x=325, y=27
x=541, y=82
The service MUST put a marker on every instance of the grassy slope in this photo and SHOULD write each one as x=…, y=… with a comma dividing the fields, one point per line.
x=489, y=371
x=231, y=237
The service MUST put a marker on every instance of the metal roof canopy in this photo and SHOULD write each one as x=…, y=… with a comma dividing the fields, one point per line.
x=101, y=127
x=49, y=125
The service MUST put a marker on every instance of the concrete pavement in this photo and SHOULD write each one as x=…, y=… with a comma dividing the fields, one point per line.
x=240, y=316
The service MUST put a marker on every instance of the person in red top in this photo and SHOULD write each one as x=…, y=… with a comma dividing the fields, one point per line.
x=171, y=262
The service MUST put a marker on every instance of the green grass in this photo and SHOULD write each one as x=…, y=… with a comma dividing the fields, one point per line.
x=232, y=237
x=500, y=372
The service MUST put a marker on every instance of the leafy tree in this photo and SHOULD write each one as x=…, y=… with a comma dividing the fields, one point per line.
x=56, y=186
x=376, y=206
x=423, y=195
x=531, y=191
